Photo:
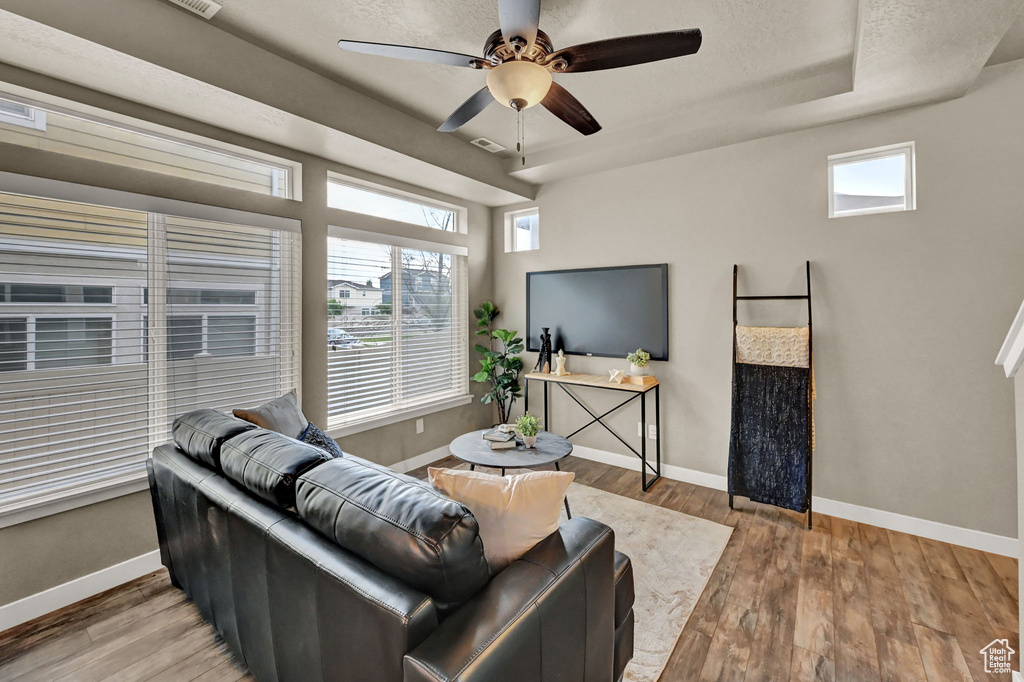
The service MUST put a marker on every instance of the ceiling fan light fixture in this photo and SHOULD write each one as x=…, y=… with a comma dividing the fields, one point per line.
x=522, y=82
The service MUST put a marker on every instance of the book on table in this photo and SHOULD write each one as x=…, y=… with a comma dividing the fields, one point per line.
x=504, y=445
x=498, y=436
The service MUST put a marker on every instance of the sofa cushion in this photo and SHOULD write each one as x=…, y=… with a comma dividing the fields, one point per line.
x=281, y=414
x=201, y=433
x=268, y=463
x=397, y=523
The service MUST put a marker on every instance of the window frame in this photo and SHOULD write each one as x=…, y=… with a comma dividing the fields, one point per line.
x=462, y=395
x=460, y=212
x=290, y=171
x=47, y=502
x=905, y=149
x=36, y=120
x=510, y=228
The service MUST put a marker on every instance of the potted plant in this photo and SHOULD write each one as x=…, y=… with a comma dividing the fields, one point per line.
x=638, y=360
x=499, y=366
x=527, y=428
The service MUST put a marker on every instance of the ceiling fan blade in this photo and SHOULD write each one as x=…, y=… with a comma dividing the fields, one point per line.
x=470, y=108
x=519, y=18
x=417, y=54
x=627, y=51
x=566, y=107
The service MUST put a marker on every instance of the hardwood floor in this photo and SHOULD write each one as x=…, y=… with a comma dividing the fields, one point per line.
x=842, y=603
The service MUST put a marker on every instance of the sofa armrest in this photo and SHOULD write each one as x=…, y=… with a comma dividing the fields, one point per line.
x=548, y=616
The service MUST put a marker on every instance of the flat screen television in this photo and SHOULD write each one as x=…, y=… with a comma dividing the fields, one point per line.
x=607, y=312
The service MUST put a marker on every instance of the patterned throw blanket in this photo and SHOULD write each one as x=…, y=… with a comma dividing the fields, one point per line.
x=769, y=439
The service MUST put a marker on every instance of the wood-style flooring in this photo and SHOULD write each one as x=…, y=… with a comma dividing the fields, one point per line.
x=844, y=602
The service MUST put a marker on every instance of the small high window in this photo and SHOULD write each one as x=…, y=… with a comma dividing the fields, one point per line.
x=382, y=202
x=875, y=180
x=522, y=230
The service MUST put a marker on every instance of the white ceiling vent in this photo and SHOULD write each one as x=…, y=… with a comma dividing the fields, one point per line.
x=204, y=8
x=490, y=146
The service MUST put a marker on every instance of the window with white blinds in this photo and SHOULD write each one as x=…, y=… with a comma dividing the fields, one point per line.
x=407, y=349
x=114, y=321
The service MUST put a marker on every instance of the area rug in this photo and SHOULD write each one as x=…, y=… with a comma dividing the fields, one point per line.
x=673, y=556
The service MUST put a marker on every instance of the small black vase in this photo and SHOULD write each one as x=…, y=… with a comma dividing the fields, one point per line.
x=544, y=358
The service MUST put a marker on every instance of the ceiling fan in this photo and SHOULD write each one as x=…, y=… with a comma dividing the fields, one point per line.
x=519, y=59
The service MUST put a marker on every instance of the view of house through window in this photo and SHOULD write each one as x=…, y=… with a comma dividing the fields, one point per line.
x=393, y=206
x=84, y=301
x=55, y=129
x=872, y=181
x=396, y=332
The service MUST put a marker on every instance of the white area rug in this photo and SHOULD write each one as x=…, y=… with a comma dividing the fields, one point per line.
x=673, y=556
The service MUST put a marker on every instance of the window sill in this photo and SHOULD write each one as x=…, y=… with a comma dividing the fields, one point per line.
x=341, y=430
x=55, y=503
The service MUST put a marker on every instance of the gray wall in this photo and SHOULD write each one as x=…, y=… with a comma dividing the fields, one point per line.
x=912, y=416
x=1018, y=389
x=110, y=532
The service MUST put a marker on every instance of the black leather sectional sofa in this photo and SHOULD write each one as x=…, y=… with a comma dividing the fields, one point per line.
x=314, y=568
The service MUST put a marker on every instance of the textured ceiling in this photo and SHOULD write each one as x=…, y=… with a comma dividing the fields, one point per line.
x=748, y=45
x=765, y=68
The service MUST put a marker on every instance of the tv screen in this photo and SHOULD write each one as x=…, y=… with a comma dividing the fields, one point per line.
x=607, y=312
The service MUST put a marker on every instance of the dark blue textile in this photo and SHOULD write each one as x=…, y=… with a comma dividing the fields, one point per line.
x=768, y=447
x=314, y=436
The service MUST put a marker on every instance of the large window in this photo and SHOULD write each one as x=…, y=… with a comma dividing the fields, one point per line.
x=144, y=146
x=113, y=321
x=381, y=202
x=408, y=351
x=872, y=181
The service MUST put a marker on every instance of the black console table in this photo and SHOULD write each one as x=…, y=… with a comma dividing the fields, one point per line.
x=638, y=390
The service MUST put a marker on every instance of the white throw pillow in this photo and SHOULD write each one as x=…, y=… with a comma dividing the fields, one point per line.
x=514, y=512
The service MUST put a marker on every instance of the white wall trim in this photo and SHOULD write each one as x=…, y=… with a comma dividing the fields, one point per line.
x=76, y=590
x=1012, y=353
x=1017, y=677
x=407, y=465
x=965, y=537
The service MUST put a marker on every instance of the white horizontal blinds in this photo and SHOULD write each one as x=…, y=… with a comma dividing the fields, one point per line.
x=73, y=384
x=230, y=326
x=433, y=326
x=360, y=348
x=112, y=322
x=411, y=349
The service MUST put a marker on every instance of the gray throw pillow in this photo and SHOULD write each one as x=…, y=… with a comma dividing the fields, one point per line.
x=280, y=414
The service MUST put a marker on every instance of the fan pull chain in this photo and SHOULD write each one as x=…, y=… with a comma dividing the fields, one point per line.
x=521, y=135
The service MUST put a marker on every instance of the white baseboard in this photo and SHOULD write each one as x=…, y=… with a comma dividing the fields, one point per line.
x=60, y=596
x=418, y=461
x=1017, y=677
x=965, y=537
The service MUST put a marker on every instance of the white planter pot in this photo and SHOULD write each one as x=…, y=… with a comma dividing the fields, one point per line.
x=638, y=371
x=530, y=441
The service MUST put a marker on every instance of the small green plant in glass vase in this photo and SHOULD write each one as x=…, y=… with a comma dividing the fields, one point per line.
x=638, y=360
x=527, y=428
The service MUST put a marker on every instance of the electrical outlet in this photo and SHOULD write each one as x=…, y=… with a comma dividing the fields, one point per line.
x=652, y=431
x=639, y=429
x=419, y=426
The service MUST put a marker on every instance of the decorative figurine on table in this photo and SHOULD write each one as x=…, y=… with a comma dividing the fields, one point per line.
x=560, y=364
x=616, y=376
x=544, y=358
